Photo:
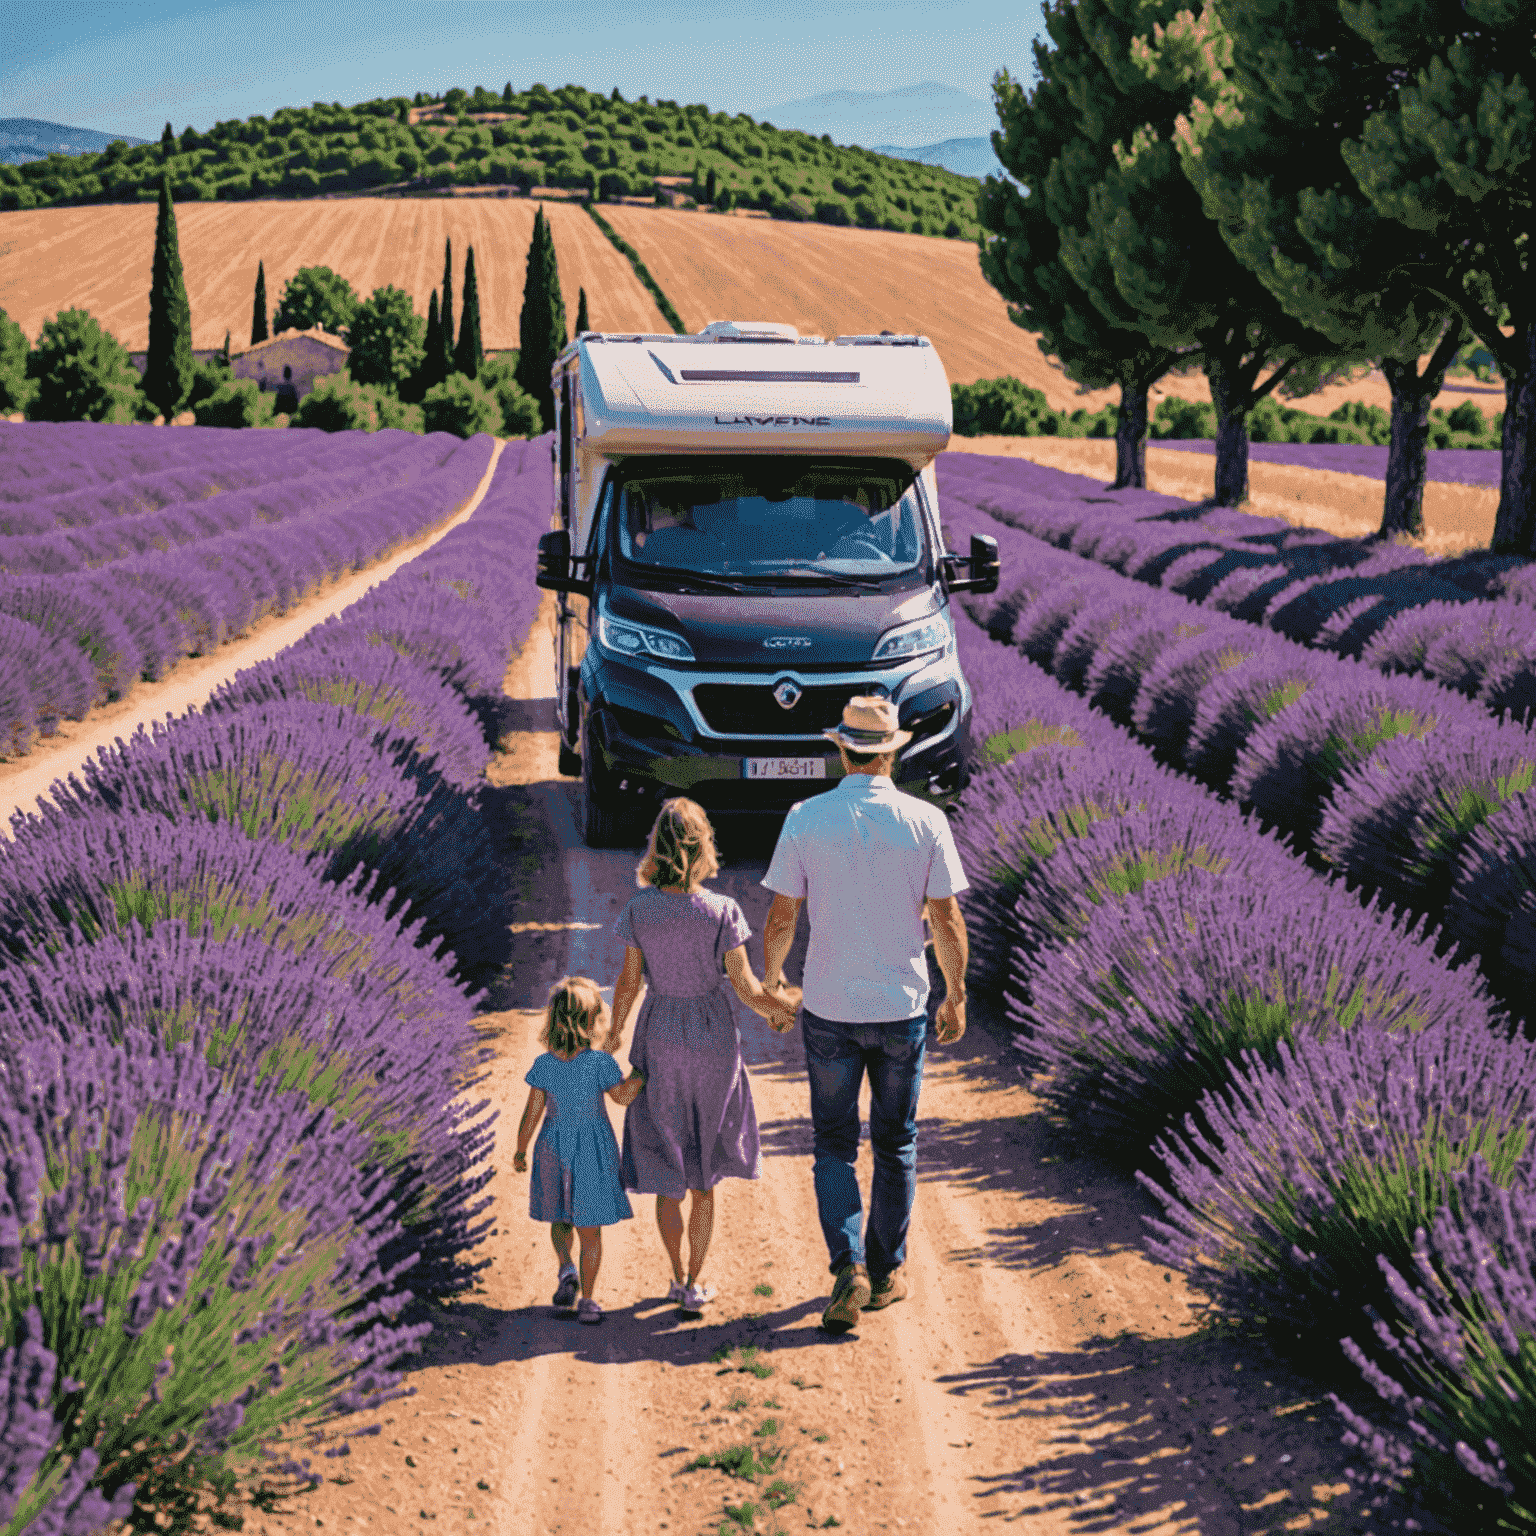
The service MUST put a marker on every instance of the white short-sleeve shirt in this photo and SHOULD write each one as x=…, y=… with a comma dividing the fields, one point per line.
x=864, y=857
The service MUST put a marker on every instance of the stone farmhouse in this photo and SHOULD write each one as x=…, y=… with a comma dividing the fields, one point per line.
x=288, y=364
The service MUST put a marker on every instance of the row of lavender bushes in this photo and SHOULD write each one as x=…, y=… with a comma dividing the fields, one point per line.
x=240, y=956
x=103, y=583
x=1318, y=1088
x=1467, y=621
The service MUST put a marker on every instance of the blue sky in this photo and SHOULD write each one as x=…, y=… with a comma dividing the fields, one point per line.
x=126, y=66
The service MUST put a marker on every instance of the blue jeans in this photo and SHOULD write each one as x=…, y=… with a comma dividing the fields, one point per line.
x=836, y=1058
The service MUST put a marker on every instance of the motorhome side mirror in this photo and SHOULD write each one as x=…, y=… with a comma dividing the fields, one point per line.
x=982, y=567
x=554, y=571
x=986, y=568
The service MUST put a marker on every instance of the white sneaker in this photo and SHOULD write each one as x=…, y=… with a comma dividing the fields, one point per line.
x=694, y=1297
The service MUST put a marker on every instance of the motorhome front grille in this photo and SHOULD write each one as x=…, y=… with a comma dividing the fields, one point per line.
x=745, y=709
x=763, y=376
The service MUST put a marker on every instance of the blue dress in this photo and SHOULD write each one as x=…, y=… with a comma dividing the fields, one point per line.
x=574, y=1175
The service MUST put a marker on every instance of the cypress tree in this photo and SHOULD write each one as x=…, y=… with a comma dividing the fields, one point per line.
x=468, y=355
x=432, y=362
x=506, y=94
x=445, y=314
x=259, y=313
x=709, y=187
x=167, y=143
x=582, y=324
x=226, y=346
x=168, y=365
x=541, y=327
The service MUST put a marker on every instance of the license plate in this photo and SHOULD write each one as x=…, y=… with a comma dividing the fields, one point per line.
x=785, y=767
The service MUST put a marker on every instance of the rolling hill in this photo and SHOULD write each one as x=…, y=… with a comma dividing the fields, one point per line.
x=24, y=139
x=710, y=266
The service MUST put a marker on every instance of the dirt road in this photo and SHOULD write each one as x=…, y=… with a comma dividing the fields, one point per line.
x=1042, y=1369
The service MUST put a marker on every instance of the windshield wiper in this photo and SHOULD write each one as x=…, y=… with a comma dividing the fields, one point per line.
x=682, y=580
x=814, y=573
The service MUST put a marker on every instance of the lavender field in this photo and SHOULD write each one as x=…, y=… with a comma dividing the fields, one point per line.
x=1262, y=915
x=240, y=958
x=1451, y=466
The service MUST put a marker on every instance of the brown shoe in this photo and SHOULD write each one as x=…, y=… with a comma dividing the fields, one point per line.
x=849, y=1295
x=893, y=1287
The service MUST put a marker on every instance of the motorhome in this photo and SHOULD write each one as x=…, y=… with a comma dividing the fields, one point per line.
x=746, y=535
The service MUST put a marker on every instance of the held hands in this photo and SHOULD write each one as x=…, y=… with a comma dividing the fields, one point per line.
x=781, y=1004
x=949, y=1020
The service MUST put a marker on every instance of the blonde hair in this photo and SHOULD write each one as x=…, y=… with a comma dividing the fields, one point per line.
x=573, y=1015
x=681, y=851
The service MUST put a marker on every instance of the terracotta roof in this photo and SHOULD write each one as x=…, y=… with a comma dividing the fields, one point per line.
x=315, y=333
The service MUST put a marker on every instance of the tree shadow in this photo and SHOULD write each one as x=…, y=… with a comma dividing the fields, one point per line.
x=1210, y=1429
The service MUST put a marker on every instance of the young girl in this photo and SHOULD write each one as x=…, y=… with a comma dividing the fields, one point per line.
x=576, y=1159
x=695, y=1123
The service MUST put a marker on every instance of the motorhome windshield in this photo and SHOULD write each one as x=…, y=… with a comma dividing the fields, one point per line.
x=835, y=521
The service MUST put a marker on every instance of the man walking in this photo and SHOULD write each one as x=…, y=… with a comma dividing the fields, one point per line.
x=868, y=859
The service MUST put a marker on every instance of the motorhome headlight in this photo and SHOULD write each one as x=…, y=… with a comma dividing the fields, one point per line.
x=915, y=639
x=626, y=639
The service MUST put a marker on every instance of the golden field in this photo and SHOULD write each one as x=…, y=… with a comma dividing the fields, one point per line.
x=712, y=267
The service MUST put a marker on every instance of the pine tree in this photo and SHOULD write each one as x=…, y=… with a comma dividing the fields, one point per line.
x=709, y=187
x=167, y=143
x=506, y=94
x=431, y=370
x=168, y=365
x=541, y=327
x=445, y=314
x=468, y=354
x=582, y=323
x=259, y=313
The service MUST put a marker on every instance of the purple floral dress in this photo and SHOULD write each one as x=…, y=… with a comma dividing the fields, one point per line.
x=693, y=1123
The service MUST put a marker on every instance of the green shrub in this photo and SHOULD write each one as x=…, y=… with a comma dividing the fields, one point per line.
x=207, y=376
x=395, y=412
x=1005, y=405
x=16, y=389
x=82, y=373
x=1467, y=418
x=519, y=410
x=338, y=404
x=1180, y=419
x=461, y=405
x=235, y=403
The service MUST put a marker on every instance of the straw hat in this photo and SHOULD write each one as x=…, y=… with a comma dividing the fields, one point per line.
x=869, y=725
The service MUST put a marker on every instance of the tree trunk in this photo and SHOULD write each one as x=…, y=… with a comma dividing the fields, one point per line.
x=1231, y=434
x=1131, y=437
x=1514, y=526
x=1402, y=508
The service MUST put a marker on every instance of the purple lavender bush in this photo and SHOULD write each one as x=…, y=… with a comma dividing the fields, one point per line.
x=1455, y=1364
x=1114, y=677
x=1166, y=703
x=199, y=1255
x=338, y=667
x=317, y=777
x=1509, y=687
x=1289, y=767
x=74, y=880
x=1015, y=814
x=1081, y=640
x=1494, y=881
x=1153, y=1002
x=1235, y=704
x=1292, y=1181
x=1397, y=823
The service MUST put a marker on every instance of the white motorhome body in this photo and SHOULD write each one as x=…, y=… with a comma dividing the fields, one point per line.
x=738, y=392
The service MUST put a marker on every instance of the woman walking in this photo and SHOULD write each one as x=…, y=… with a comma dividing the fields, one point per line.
x=693, y=1123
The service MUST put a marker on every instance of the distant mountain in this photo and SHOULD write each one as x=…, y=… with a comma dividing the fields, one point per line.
x=29, y=138
x=966, y=157
x=926, y=114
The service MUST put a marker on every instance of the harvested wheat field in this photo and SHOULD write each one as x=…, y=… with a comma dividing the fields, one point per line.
x=824, y=280
x=1456, y=517
x=98, y=259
